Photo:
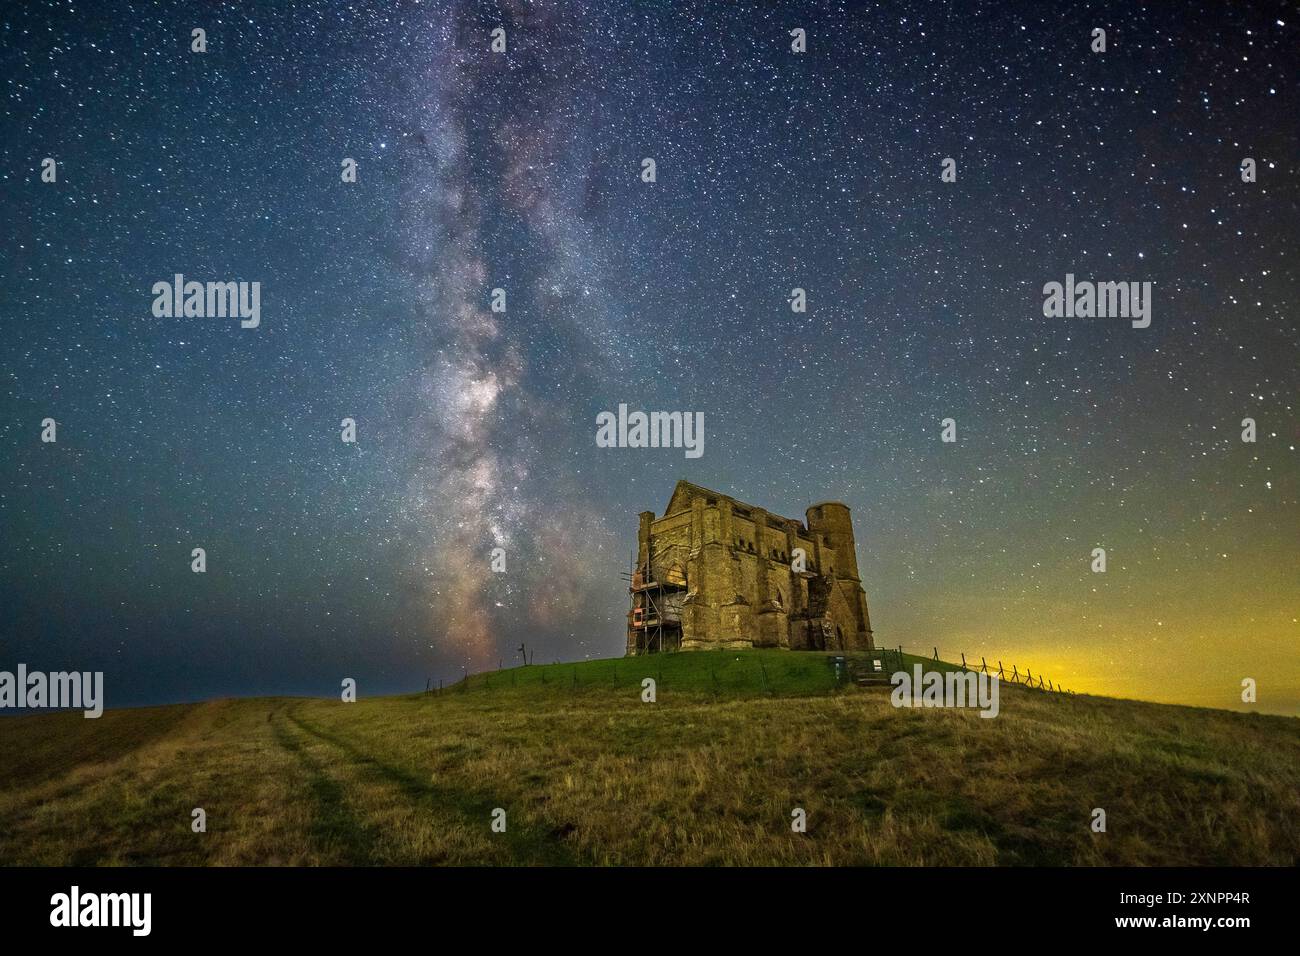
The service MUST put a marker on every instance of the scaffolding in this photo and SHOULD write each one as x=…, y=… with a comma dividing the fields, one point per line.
x=656, y=588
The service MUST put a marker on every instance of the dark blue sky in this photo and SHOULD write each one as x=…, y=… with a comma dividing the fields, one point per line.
x=521, y=171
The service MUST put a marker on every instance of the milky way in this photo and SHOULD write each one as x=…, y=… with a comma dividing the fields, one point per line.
x=500, y=154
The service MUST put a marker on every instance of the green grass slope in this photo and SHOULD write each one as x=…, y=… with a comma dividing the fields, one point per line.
x=589, y=774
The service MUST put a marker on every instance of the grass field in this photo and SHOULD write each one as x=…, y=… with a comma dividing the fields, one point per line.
x=709, y=774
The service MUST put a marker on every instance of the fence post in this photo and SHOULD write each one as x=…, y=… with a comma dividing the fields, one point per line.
x=936, y=653
x=963, y=660
x=984, y=665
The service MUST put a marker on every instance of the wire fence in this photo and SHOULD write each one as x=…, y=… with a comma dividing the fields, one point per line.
x=1025, y=679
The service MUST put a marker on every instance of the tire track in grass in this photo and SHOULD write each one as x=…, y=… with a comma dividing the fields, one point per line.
x=335, y=829
x=528, y=845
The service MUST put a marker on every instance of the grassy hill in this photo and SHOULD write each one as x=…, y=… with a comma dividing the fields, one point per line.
x=588, y=774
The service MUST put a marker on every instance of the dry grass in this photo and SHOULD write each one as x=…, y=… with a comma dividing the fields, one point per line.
x=590, y=775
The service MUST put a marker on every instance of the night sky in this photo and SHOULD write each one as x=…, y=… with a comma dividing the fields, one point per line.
x=476, y=429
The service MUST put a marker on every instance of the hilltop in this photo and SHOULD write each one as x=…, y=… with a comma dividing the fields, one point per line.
x=709, y=774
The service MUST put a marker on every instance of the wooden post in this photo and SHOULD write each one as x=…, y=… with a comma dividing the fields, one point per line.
x=936, y=653
x=963, y=660
x=984, y=665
